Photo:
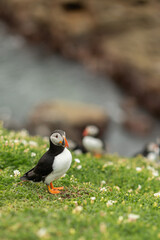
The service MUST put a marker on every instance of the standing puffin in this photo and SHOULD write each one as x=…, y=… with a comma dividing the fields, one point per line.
x=53, y=164
x=91, y=142
x=151, y=151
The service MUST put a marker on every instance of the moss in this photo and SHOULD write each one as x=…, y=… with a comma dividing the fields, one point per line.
x=28, y=211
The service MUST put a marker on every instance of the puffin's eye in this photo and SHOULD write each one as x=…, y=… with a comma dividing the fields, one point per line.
x=56, y=136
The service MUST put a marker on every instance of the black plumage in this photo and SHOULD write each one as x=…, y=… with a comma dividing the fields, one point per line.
x=43, y=167
x=53, y=164
x=150, y=148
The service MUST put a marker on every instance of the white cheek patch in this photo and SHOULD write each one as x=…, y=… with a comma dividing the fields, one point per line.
x=92, y=130
x=56, y=141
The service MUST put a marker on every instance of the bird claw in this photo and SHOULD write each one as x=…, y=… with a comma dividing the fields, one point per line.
x=55, y=188
x=52, y=191
x=58, y=188
x=98, y=155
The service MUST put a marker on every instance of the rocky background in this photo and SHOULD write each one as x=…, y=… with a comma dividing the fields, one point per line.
x=70, y=116
x=120, y=38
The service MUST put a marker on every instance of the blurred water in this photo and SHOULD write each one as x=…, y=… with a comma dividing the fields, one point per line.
x=28, y=76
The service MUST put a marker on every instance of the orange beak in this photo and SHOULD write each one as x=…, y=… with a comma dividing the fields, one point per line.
x=66, y=143
x=85, y=132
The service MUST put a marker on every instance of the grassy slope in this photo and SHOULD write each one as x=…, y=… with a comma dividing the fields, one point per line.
x=28, y=211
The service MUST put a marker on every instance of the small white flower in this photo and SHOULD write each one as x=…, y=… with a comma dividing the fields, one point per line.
x=33, y=143
x=77, y=160
x=132, y=217
x=150, y=168
x=110, y=203
x=103, y=189
x=138, y=169
x=139, y=186
x=109, y=163
x=93, y=198
x=16, y=141
x=116, y=187
x=103, y=182
x=33, y=154
x=157, y=194
x=11, y=175
x=120, y=219
x=24, y=142
x=77, y=152
x=23, y=132
x=77, y=209
x=79, y=167
x=42, y=232
x=76, y=203
x=155, y=173
x=63, y=175
x=16, y=173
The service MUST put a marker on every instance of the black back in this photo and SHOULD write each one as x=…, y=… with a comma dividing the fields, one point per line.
x=44, y=165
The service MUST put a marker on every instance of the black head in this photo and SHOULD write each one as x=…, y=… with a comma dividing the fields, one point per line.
x=91, y=130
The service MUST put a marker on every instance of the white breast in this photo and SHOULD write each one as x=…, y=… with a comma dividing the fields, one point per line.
x=93, y=145
x=61, y=164
x=152, y=156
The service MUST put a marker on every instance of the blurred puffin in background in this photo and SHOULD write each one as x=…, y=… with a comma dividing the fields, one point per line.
x=91, y=142
x=151, y=151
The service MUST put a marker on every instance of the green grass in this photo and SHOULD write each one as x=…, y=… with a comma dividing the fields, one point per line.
x=28, y=211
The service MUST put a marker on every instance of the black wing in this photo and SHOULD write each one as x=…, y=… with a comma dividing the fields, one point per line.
x=42, y=169
x=44, y=166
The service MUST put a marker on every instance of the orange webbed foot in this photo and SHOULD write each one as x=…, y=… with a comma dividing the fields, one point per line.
x=58, y=188
x=52, y=191
x=98, y=155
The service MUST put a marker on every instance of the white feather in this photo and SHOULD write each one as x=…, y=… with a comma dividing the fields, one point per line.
x=61, y=164
x=93, y=145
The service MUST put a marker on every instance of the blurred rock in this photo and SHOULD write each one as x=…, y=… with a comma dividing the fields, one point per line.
x=119, y=38
x=139, y=124
x=129, y=104
x=135, y=120
x=72, y=117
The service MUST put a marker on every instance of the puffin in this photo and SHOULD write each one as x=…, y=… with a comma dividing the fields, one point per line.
x=91, y=142
x=53, y=164
x=150, y=151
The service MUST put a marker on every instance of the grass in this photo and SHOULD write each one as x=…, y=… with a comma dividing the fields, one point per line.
x=83, y=210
